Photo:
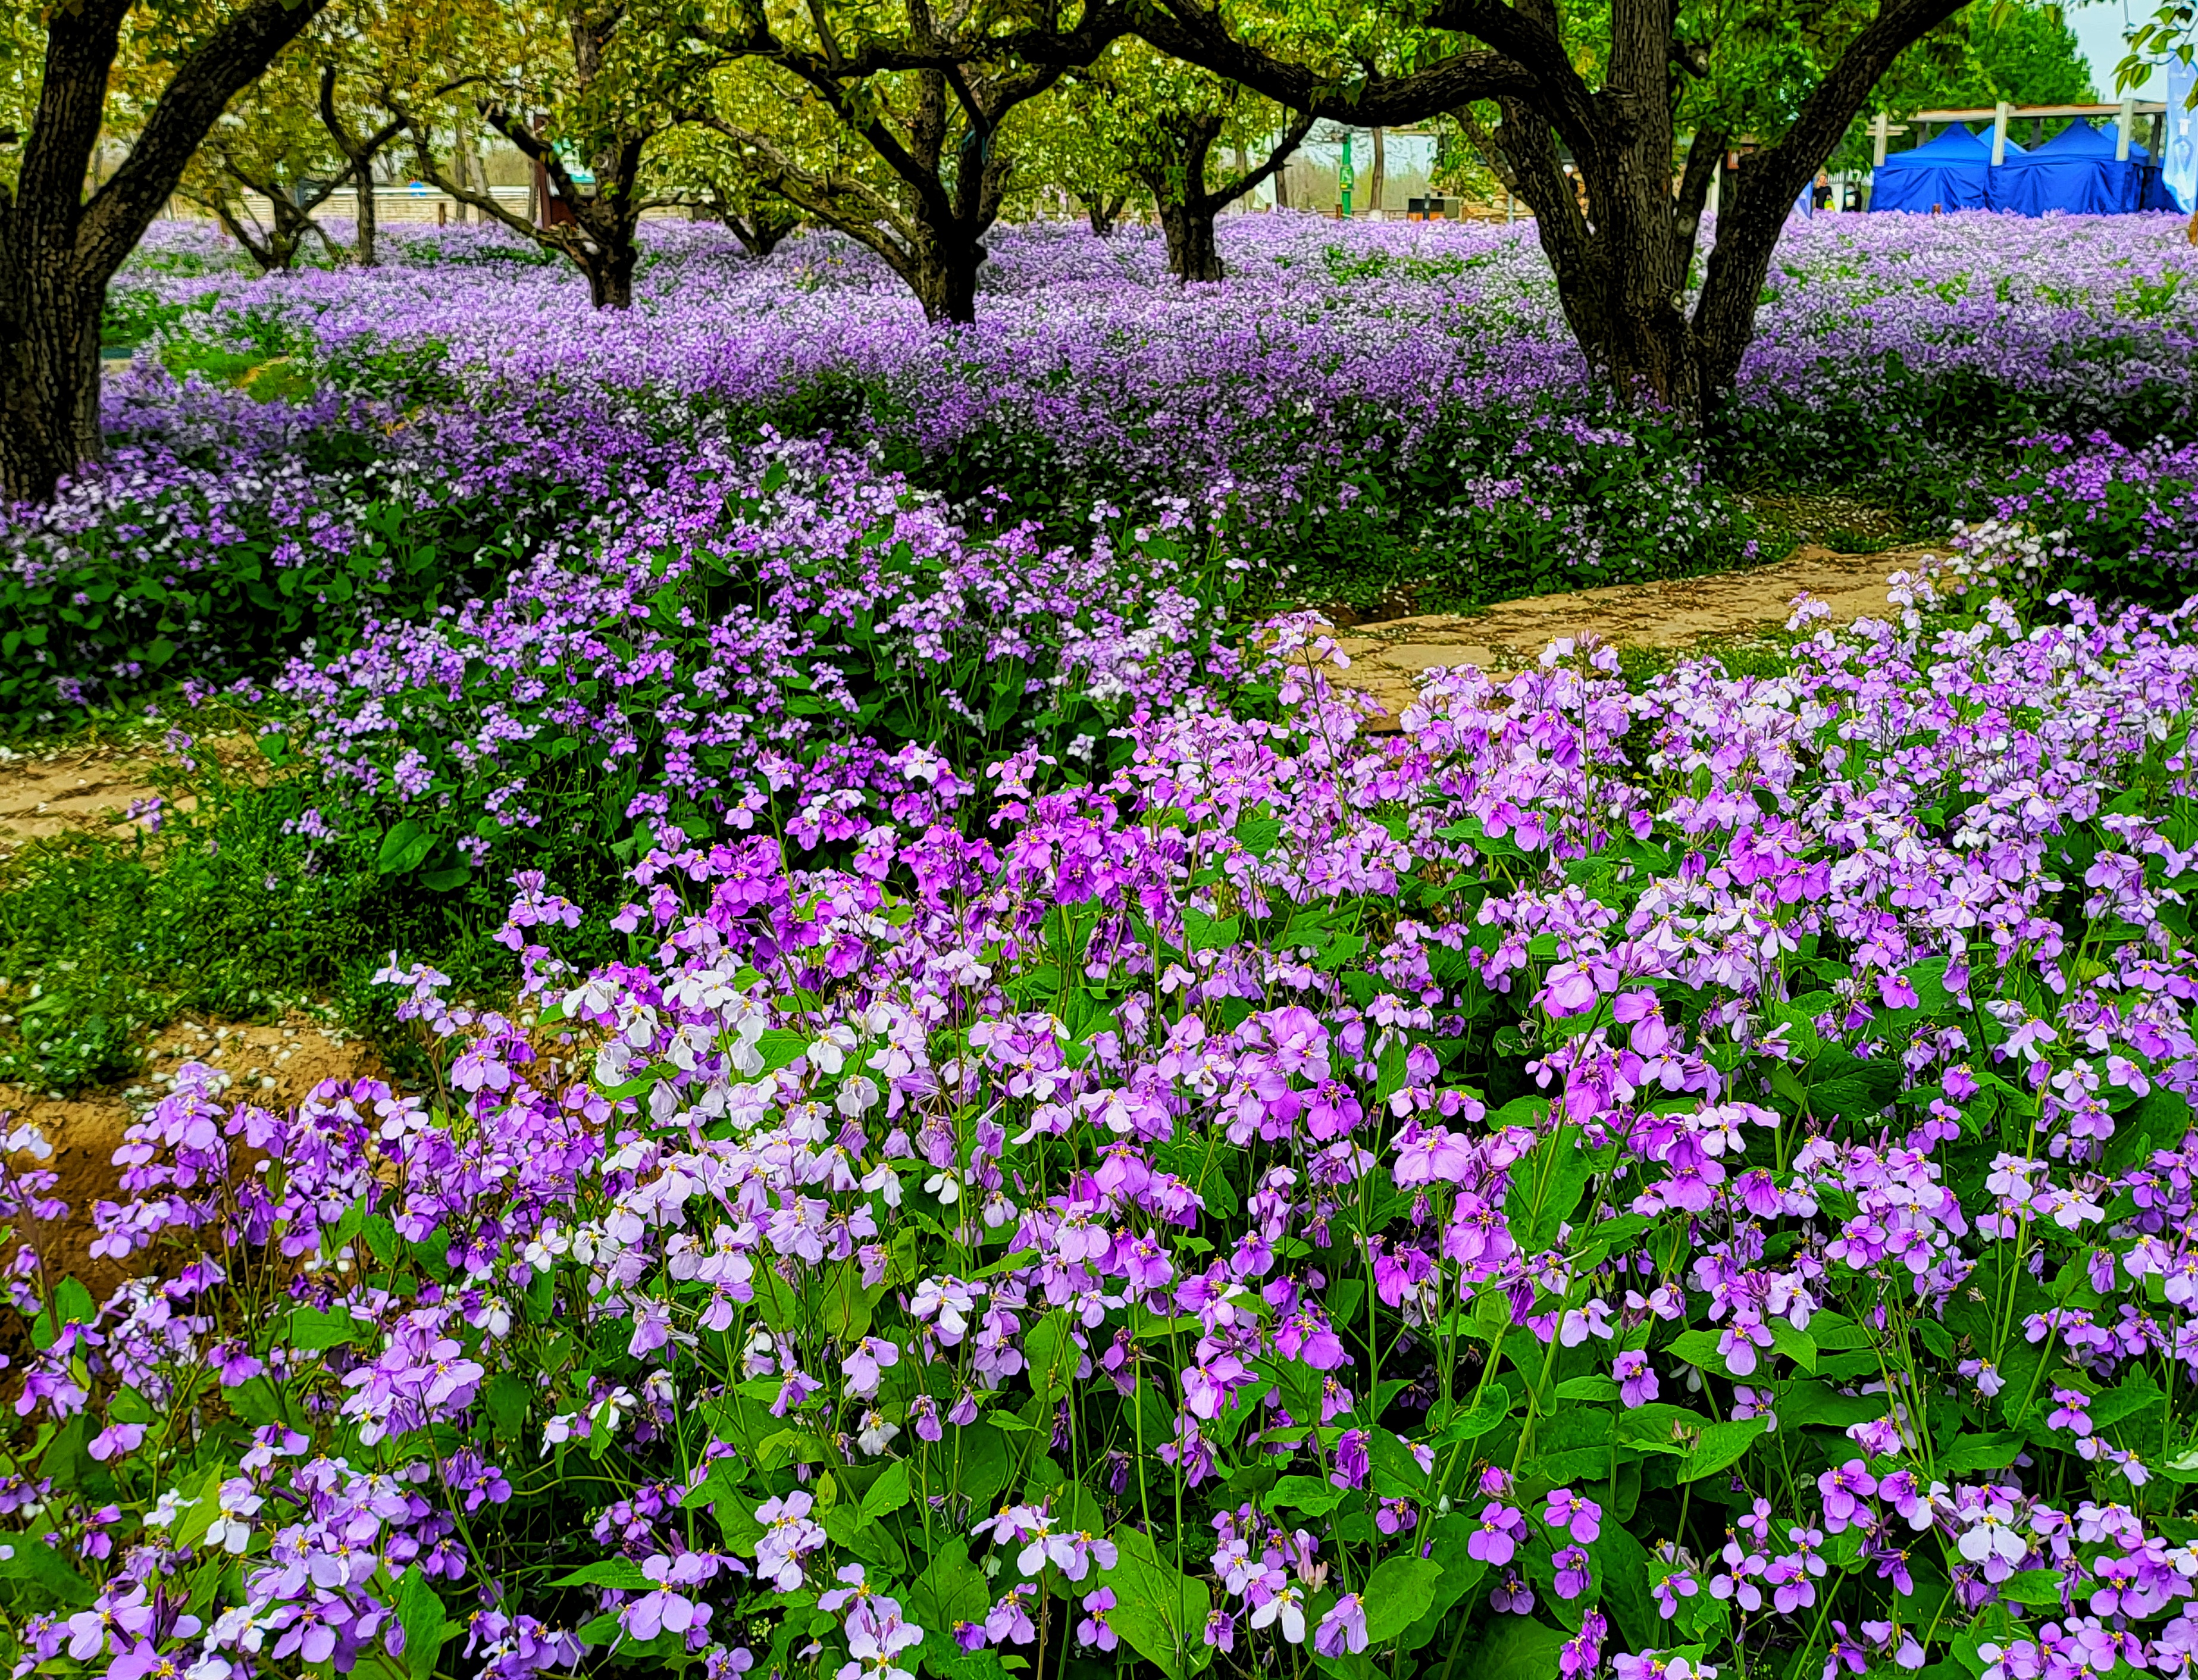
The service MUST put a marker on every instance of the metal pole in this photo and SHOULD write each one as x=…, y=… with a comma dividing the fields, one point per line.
x=1343, y=178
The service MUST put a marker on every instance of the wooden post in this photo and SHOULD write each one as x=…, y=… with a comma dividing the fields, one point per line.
x=2122, y=130
x=1877, y=141
x=1999, y=133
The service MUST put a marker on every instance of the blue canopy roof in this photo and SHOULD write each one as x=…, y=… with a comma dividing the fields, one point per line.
x=2076, y=171
x=1951, y=172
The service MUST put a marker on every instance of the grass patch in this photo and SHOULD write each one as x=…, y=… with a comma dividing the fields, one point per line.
x=221, y=911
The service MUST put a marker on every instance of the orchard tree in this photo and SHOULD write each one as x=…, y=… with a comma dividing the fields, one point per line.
x=1611, y=82
x=1058, y=148
x=923, y=94
x=369, y=46
x=1163, y=119
x=269, y=145
x=284, y=142
x=561, y=81
x=60, y=243
x=723, y=182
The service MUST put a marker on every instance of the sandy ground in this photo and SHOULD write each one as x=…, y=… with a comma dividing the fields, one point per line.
x=82, y=790
x=1387, y=658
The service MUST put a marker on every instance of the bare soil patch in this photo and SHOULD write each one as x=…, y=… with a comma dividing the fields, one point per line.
x=71, y=790
x=273, y=1066
x=1388, y=658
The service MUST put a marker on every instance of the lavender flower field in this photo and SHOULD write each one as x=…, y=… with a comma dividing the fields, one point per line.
x=960, y=1107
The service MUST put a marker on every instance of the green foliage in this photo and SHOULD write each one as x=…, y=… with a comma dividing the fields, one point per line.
x=90, y=608
x=2024, y=53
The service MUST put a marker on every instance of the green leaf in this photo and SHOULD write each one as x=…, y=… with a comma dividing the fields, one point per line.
x=1621, y=1570
x=200, y=1507
x=1796, y=1345
x=950, y=1590
x=503, y=1402
x=1451, y=1533
x=1054, y=1356
x=72, y=1303
x=1203, y=932
x=1397, y=1473
x=1592, y=1387
x=42, y=1578
x=1545, y=1189
x=310, y=1329
x=779, y=1048
x=974, y=1463
x=2038, y=1587
x=622, y=1573
x=1159, y=1611
x=1258, y=834
x=1398, y=1594
x=1720, y=1447
x=1972, y=1453
x=949, y=1661
x=1485, y=1415
x=1816, y=1402
x=419, y=1614
x=404, y=848
x=1516, y=1647
x=888, y=1493
x=1309, y=1494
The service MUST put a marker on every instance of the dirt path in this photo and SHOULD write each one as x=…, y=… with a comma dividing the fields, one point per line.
x=1388, y=658
x=80, y=790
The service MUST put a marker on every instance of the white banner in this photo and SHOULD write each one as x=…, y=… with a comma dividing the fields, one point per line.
x=2179, y=168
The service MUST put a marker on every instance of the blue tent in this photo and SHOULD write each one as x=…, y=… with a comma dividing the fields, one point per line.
x=2076, y=171
x=1952, y=172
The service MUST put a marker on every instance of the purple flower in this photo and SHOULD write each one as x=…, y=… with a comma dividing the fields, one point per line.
x=1343, y=1628
x=1501, y=1532
x=1573, y=1573
x=1578, y=1515
x=1637, y=1381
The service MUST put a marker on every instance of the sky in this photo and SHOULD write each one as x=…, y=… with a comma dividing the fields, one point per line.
x=2099, y=27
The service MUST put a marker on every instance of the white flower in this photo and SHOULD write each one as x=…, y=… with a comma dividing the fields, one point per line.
x=170, y=1506
x=1286, y=1608
x=231, y=1530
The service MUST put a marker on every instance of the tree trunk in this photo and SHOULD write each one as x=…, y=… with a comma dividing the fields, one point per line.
x=1623, y=280
x=361, y=178
x=610, y=277
x=86, y=434
x=1193, y=252
x=1374, y=182
x=1186, y=209
x=472, y=172
x=944, y=278
x=1102, y=213
x=58, y=249
x=1282, y=186
x=49, y=395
